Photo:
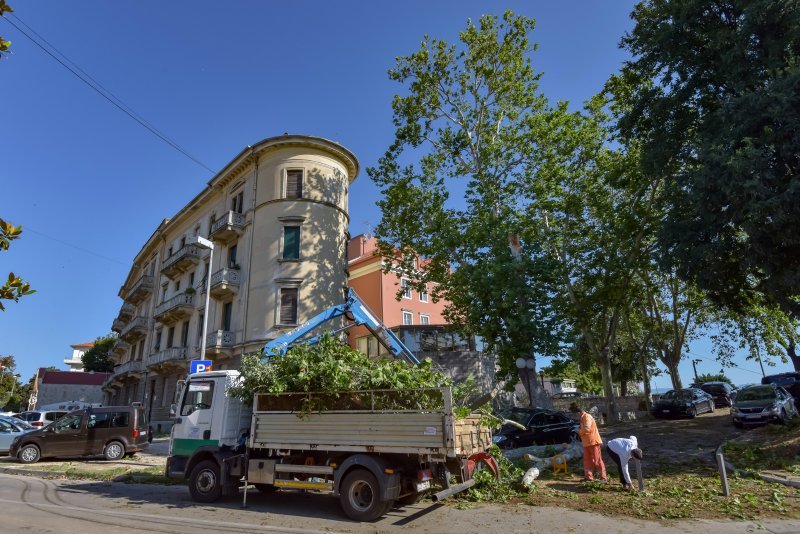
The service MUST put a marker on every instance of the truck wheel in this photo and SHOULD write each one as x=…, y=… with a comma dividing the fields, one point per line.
x=204, y=483
x=114, y=451
x=29, y=454
x=361, y=496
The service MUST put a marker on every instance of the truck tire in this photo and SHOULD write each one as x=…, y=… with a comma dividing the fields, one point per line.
x=360, y=496
x=204, y=483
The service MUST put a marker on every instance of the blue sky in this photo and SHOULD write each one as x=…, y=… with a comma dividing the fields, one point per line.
x=90, y=185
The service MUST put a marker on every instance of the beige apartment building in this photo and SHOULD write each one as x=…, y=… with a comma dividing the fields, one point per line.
x=277, y=215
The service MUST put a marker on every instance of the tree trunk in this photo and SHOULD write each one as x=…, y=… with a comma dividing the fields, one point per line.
x=537, y=395
x=623, y=388
x=672, y=367
x=791, y=352
x=648, y=396
x=612, y=414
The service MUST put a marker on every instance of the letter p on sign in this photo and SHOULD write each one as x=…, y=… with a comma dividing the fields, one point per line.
x=200, y=366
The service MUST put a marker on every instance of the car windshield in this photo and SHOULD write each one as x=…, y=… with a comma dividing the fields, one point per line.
x=714, y=389
x=683, y=394
x=756, y=394
x=519, y=416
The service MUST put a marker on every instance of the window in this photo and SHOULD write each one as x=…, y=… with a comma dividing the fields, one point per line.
x=288, y=311
x=170, y=336
x=200, y=328
x=177, y=285
x=424, y=319
x=237, y=202
x=227, y=312
x=191, y=279
x=291, y=242
x=158, y=341
x=232, y=253
x=164, y=391
x=294, y=183
x=423, y=295
x=408, y=318
x=99, y=420
x=185, y=334
x=183, y=242
x=198, y=397
x=68, y=422
x=169, y=253
x=141, y=351
x=163, y=292
x=406, y=289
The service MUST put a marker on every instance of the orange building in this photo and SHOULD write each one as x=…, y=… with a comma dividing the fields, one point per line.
x=378, y=290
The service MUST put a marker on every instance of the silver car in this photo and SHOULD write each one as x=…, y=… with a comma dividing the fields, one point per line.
x=765, y=403
x=10, y=428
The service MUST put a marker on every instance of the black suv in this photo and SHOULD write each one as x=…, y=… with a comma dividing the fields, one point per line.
x=722, y=392
x=111, y=431
x=788, y=381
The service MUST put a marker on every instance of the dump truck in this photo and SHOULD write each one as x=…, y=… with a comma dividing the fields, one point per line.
x=373, y=449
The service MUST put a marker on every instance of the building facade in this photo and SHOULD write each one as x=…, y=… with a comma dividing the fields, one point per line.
x=53, y=387
x=75, y=363
x=378, y=290
x=277, y=216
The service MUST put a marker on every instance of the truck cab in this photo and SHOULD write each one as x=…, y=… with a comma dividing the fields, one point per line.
x=209, y=425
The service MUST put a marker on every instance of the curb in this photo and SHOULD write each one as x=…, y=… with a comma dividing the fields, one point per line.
x=23, y=471
x=766, y=478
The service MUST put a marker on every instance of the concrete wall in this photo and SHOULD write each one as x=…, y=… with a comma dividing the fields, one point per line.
x=56, y=393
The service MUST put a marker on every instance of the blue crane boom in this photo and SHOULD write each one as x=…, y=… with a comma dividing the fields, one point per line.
x=355, y=311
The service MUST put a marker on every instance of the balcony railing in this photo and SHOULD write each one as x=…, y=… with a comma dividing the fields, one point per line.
x=132, y=367
x=118, y=325
x=231, y=225
x=185, y=258
x=126, y=311
x=225, y=283
x=174, y=355
x=176, y=308
x=135, y=329
x=217, y=342
x=141, y=289
x=120, y=347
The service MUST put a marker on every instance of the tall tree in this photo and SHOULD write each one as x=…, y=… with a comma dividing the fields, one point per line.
x=14, y=287
x=718, y=115
x=98, y=358
x=477, y=122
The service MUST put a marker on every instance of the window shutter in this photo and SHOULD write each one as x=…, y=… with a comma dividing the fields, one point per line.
x=289, y=305
x=294, y=184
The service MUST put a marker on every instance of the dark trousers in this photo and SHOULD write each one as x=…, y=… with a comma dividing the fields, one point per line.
x=615, y=457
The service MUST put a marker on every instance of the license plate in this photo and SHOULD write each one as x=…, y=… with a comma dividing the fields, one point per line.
x=756, y=416
x=665, y=411
x=423, y=486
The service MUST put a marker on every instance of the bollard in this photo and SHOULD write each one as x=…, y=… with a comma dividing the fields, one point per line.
x=639, y=474
x=723, y=473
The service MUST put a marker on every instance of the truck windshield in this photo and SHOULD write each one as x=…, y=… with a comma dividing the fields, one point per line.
x=198, y=397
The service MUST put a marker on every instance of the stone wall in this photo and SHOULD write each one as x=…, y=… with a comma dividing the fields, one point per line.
x=57, y=393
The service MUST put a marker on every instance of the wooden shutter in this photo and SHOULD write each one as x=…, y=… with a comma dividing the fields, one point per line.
x=294, y=184
x=288, y=305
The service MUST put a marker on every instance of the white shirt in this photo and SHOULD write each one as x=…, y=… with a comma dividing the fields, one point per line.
x=622, y=447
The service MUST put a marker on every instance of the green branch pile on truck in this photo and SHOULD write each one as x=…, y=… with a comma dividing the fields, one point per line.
x=326, y=418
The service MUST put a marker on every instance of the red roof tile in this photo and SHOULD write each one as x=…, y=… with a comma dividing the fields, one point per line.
x=90, y=344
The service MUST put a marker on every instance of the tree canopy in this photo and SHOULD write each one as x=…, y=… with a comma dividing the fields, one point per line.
x=14, y=287
x=98, y=358
x=717, y=110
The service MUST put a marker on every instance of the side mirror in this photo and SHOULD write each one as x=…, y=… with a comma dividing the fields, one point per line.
x=173, y=409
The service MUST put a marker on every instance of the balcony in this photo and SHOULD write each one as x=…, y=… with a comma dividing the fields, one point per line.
x=229, y=227
x=220, y=342
x=132, y=368
x=120, y=347
x=225, y=283
x=174, y=355
x=187, y=257
x=135, y=329
x=118, y=325
x=126, y=312
x=141, y=289
x=176, y=308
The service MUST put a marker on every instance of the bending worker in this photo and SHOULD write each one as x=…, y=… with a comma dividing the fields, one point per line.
x=621, y=450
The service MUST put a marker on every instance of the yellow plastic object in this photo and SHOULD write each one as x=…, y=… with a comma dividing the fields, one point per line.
x=559, y=464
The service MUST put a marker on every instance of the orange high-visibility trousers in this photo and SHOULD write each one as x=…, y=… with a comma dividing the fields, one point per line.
x=593, y=461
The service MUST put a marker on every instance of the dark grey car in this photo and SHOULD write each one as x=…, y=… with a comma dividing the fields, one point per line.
x=759, y=404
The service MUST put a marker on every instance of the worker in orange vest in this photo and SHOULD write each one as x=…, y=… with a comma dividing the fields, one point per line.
x=592, y=446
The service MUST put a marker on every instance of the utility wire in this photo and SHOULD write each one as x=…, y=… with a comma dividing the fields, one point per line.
x=717, y=361
x=87, y=251
x=97, y=87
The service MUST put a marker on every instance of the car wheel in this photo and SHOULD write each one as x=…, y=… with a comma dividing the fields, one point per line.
x=360, y=496
x=693, y=412
x=114, y=451
x=29, y=454
x=204, y=483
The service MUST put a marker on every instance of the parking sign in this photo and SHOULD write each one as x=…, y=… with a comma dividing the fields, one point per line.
x=200, y=366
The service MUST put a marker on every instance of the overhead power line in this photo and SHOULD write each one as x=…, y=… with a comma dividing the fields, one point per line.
x=83, y=76
x=734, y=364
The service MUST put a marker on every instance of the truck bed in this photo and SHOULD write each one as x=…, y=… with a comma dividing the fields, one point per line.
x=417, y=422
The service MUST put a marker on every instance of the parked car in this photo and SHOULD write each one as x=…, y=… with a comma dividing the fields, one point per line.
x=788, y=381
x=764, y=403
x=542, y=427
x=687, y=401
x=11, y=428
x=41, y=418
x=722, y=392
x=568, y=395
x=111, y=431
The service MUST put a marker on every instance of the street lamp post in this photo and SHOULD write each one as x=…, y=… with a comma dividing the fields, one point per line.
x=205, y=243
